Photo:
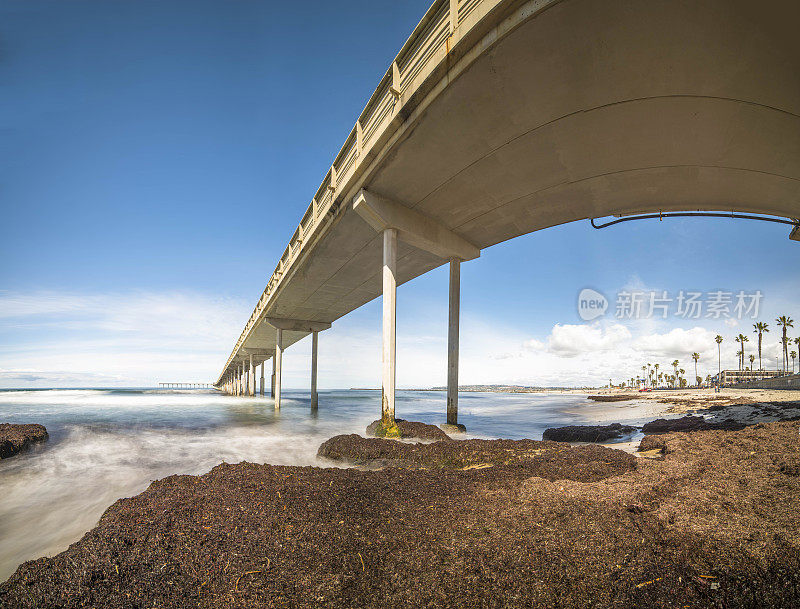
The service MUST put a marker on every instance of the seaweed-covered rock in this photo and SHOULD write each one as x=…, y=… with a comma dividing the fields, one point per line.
x=690, y=423
x=588, y=433
x=614, y=398
x=652, y=443
x=550, y=460
x=406, y=429
x=14, y=438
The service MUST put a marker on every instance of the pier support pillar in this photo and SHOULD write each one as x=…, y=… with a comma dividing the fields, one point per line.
x=389, y=326
x=252, y=387
x=314, y=345
x=261, y=391
x=452, y=347
x=272, y=386
x=278, y=364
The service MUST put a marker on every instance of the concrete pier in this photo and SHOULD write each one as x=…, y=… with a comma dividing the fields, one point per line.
x=314, y=345
x=252, y=392
x=449, y=170
x=261, y=388
x=452, y=342
x=278, y=364
x=389, y=324
x=272, y=385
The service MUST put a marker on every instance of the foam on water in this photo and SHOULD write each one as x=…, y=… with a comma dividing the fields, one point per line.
x=108, y=444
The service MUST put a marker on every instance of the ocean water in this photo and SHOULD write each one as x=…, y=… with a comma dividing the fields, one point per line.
x=111, y=443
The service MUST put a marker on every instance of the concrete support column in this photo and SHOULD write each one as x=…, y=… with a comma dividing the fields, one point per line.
x=452, y=341
x=314, y=343
x=261, y=391
x=278, y=364
x=272, y=386
x=389, y=325
x=252, y=377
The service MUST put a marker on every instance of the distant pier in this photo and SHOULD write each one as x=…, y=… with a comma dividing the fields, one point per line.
x=185, y=386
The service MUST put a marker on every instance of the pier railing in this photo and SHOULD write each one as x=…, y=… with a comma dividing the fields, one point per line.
x=436, y=36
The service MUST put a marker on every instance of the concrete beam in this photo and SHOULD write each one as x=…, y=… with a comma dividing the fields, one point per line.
x=297, y=325
x=265, y=353
x=413, y=227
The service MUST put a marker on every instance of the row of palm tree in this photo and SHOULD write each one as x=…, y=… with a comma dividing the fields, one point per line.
x=760, y=328
x=651, y=377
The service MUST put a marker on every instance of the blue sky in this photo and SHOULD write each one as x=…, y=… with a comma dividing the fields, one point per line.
x=155, y=157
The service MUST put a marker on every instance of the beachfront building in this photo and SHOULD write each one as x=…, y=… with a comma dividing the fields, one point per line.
x=732, y=377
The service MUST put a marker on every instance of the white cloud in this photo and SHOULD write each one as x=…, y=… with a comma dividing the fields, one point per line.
x=676, y=343
x=570, y=340
x=124, y=338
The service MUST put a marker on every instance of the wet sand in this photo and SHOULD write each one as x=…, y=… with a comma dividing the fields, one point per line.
x=683, y=400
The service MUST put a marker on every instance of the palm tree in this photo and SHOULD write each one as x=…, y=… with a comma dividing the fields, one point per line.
x=785, y=322
x=759, y=329
x=793, y=355
x=742, y=339
x=675, y=365
x=696, y=357
x=719, y=340
x=752, y=359
x=658, y=379
x=785, y=344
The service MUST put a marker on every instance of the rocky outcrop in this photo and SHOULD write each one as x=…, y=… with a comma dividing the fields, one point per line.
x=652, y=443
x=406, y=430
x=690, y=423
x=588, y=433
x=15, y=438
x=550, y=460
x=614, y=398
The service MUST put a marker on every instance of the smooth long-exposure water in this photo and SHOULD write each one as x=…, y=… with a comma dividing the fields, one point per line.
x=111, y=443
